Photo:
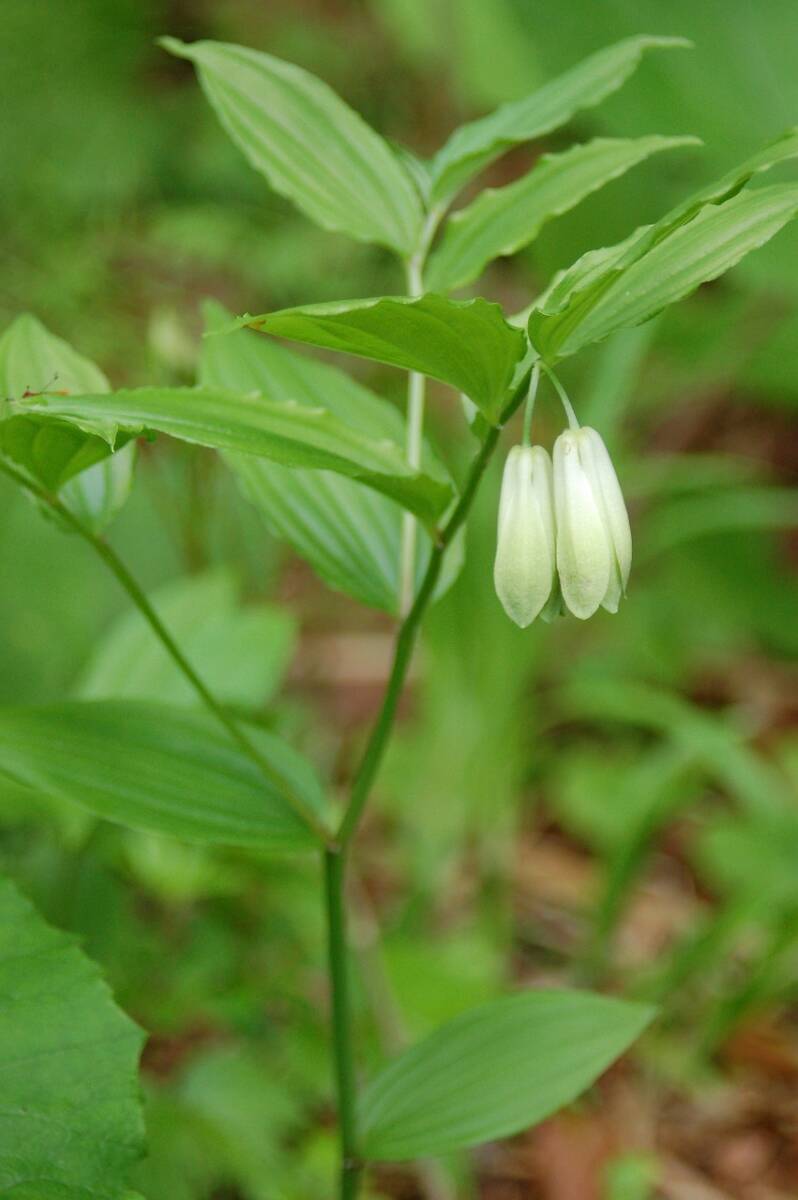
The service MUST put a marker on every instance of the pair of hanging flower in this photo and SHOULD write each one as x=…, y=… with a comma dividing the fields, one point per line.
x=564, y=542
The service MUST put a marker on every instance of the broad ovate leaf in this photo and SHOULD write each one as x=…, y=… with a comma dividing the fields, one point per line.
x=467, y=344
x=308, y=143
x=348, y=533
x=494, y=1070
x=473, y=146
x=283, y=431
x=71, y=1125
x=503, y=220
x=161, y=769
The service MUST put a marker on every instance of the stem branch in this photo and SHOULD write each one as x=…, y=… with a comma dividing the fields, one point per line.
x=408, y=630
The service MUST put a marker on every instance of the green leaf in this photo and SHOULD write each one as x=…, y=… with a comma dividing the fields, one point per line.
x=241, y=653
x=473, y=146
x=160, y=769
x=97, y=494
x=781, y=149
x=311, y=146
x=694, y=253
x=494, y=1071
x=347, y=534
x=503, y=220
x=350, y=535
x=631, y=1176
x=573, y=293
x=70, y=1120
x=63, y=458
x=240, y=361
x=467, y=344
x=283, y=431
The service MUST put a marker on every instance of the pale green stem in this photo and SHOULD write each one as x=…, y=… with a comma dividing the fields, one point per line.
x=534, y=379
x=416, y=386
x=561, y=392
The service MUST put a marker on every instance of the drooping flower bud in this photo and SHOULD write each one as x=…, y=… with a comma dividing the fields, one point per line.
x=524, y=569
x=594, y=542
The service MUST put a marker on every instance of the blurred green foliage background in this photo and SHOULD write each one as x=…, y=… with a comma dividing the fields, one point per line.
x=614, y=801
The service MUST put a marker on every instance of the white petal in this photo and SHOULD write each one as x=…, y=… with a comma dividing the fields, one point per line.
x=598, y=464
x=524, y=567
x=543, y=483
x=584, y=554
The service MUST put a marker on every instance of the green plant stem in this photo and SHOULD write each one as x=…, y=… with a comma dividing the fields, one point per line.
x=338, y=964
x=573, y=422
x=335, y=861
x=529, y=407
x=408, y=630
x=139, y=599
x=415, y=433
x=416, y=386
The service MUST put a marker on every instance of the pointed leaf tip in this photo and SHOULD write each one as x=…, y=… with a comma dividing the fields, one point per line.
x=173, y=45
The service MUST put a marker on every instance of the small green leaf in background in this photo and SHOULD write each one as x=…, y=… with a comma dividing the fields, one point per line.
x=694, y=253
x=717, y=744
x=348, y=533
x=160, y=769
x=283, y=431
x=62, y=457
x=738, y=856
x=70, y=1119
x=465, y=343
x=473, y=146
x=241, y=653
x=310, y=145
x=503, y=220
x=736, y=508
x=631, y=1177
x=494, y=1071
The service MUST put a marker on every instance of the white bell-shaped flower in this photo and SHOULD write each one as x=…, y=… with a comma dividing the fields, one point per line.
x=594, y=542
x=525, y=552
